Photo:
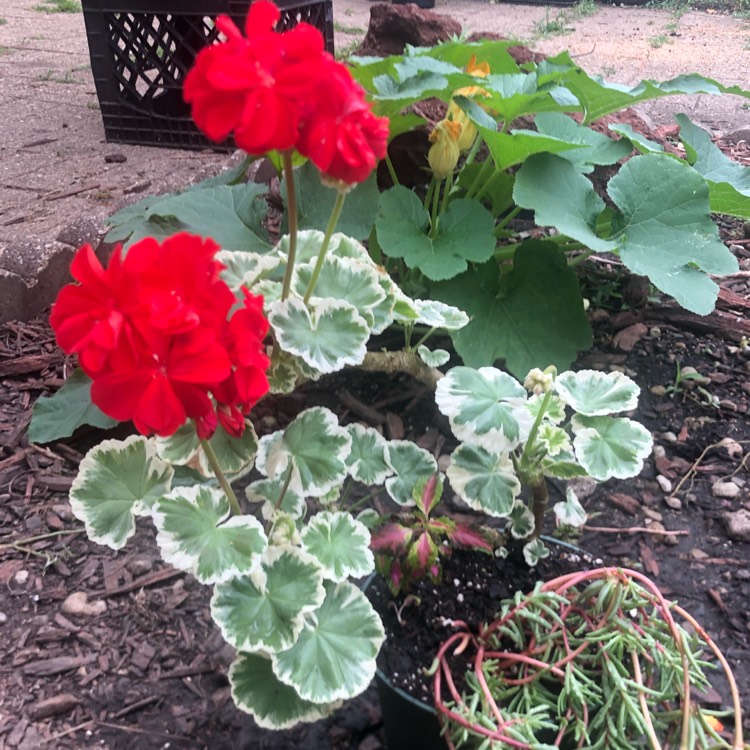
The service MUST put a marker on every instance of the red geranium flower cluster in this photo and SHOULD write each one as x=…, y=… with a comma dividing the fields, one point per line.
x=153, y=333
x=283, y=91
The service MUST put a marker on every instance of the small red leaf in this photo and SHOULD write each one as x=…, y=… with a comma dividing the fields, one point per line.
x=466, y=536
x=393, y=537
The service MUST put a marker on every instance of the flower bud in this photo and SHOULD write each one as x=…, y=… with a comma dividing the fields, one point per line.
x=456, y=114
x=538, y=382
x=444, y=152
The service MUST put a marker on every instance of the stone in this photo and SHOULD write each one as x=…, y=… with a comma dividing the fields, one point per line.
x=78, y=604
x=738, y=525
x=392, y=27
x=725, y=489
x=673, y=502
x=664, y=483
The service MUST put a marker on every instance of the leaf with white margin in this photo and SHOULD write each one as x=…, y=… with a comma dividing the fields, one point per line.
x=596, y=393
x=315, y=445
x=366, y=460
x=117, y=481
x=334, y=656
x=274, y=705
x=195, y=534
x=382, y=314
x=340, y=544
x=282, y=372
x=269, y=290
x=267, y=491
x=370, y=518
x=410, y=464
x=332, y=336
x=433, y=358
x=179, y=448
x=405, y=308
x=342, y=279
x=555, y=411
x=609, y=447
x=265, y=611
x=439, y=315
x=562, y=466
x=235, y=455
x=485, y=481
x=535, y=551
x=570, y=512
x=243, y=268
x=520, y=521
x=554, y=439
x=485, y=407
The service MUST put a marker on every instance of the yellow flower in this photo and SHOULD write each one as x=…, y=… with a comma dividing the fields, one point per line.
x=714, y=723
x=480, y=70
x=456, y=114
x=444, y=152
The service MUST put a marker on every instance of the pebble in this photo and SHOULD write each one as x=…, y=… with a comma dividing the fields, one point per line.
x=3, y=618
x=673, y=502
x=669, y=437
x=658, y=390
x=725, y=489
x=78, y=604
x=738, y=525
x=664, y=483
x=743, y=574
x=21, y=577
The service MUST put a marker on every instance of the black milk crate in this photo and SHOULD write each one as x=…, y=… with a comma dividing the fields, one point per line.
x=141, y=51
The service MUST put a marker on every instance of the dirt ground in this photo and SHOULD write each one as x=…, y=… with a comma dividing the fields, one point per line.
x=59, y=179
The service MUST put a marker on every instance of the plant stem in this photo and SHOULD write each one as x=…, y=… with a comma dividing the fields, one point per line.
x=40, y=537
x=535, y=428
x=408, y=362
x=539, y=499
x=435, y=205
x=474, y=150
x=507, y=219
x=291, y=202
x=280, y=499
x=332, y=221
x=579, y=258
x=391, y=170
x=446, y=193
x=430, y=191
x=219, y=474
x=505, y=253
x=480, y=179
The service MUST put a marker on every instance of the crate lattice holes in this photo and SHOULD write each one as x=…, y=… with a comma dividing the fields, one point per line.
x=141, y=51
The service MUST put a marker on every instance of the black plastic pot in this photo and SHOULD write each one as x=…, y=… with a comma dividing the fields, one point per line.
x=419, y=3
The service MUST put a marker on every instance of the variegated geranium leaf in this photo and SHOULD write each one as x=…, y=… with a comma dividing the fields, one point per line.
x=563, y=466
x=404, y=308
x=180, y=448
x=520, y=521
x=570, y=512
x=609, y=447
x=410, y=464
x=235, y=455
x=382, y=314
x=485, y=481
x=195, y=534
x=486, y=407
x=265, y=610
x=274, y=705
x=437, y=314
x=535, y=551
x=554, y=439
x=334, y=656
x=434, y=357
x=244, y=269
x=554, y=412
x=366, y=460
x=117, y=481
x=340, y=544
x=283, y=372
x=594, y=393
x=327, y=338
x=268, y=492
x=314, y=445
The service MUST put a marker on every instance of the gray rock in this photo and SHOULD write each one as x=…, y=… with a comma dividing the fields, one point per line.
x=738, y=525
x=725, y=489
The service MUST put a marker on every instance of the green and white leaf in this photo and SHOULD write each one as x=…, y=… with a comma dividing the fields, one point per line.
x=485, y=407
x=570, y=512
x=315, y=447
x=609, y=447
x=267, y=491
x=334, y=655
x=235, y=455
x=596, y=393
x=433, y=357
x=180, y=448
x=333, y=335
x=340, y=544
x=535, y=551
x=485, y=481
x=265, y=610
x=195, y=534
x=563, y=466
x=520, y=521
x=283, y=372
x=366, y=460
x=274, y=705
x=117, y=481
x=370, y=518
x=554, y=439
x=437, y=314
x=555, y=411
x=245, y=269
x=410, y=464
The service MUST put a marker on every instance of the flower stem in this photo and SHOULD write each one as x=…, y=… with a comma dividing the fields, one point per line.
x=507, y=219
x=539, y=500
x=332, y=221
x=291, y=202
x=446, y=193
x=435, y=206
x=280, y=498
x=223, y=482
x=391, y=170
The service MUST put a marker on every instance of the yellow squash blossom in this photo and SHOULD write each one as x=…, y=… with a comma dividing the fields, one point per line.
x=456, y=114
x=444, y=152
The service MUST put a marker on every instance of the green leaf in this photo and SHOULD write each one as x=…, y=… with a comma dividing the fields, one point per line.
x=315, y=202
x=265, y=610
x=235, y=455
x=535, y=551
x=465, y=233
x=728, y=181
x=366, y=461
x=520, y=521
x=509, y=149
x=333, y=335
x=554, y=439
x=437, y=314
x=196, y=534
x=485, y=407
x=180, y=447
x=595, y=393
x=530, y=317
x=268, y=491
x=242, y=268
x=410, y=464
x=117, y=481
x=666, y=231
x=334, y=656
x=314, y=445
x=433, y=358
x=640, y=142
x=607, y=447
x=561, y=197
x=485, y=481
x=554, y=412
x=570, y=512
x=340, y=544
x=274, y=705
x=59, y=416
